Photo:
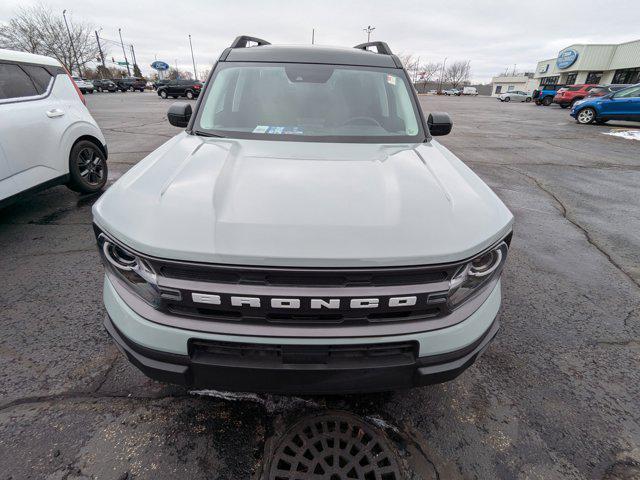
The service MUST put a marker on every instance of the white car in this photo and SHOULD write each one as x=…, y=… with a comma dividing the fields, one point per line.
x=470, y=91
x=305, y=234
x=47, y=135
x=84, y=85
x=515, y=96
x=454, y=92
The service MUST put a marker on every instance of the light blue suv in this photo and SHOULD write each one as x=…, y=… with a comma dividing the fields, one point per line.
x=621, y=105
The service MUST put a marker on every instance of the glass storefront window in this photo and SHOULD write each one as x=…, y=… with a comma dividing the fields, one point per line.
x=594, y=77
x=627, y=75
x=549, y=80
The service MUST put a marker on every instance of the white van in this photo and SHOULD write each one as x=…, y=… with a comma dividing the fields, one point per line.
x=47, y=135
x=469, y=91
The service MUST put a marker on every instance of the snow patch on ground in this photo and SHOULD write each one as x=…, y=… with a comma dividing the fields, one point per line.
x=272, y=403
x=627, y=134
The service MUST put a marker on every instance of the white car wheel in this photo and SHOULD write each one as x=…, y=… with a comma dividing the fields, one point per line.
x=586, y=116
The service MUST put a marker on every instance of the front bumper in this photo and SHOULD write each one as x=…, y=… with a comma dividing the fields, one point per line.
x=199, y=372
x=167, y=354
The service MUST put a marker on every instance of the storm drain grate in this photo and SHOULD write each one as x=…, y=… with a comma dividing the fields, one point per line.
x=333, y=447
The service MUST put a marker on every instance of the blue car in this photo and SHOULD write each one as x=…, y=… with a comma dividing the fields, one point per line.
x=620, y=105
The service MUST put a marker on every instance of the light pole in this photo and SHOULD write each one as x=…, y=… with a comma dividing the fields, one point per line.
x=313, y=36
x=73, y=48
x=123, y=52
x=369, y=29
x=195, y=75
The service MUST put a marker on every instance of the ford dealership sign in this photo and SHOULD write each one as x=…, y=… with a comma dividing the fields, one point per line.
x=566, y=58
x=160, y=66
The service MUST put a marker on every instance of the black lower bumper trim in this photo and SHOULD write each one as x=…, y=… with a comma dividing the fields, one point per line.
x=202, y=373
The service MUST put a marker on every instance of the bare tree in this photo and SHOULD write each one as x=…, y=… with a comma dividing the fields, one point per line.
x=174, y=74
x=411, y=64
x=458, y=72
x=426, y=74
x=420, y=73
x=36, y=29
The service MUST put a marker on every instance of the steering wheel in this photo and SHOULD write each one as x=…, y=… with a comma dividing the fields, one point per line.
x=362, y=121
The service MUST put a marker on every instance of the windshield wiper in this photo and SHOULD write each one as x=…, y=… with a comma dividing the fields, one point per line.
x=207, y=134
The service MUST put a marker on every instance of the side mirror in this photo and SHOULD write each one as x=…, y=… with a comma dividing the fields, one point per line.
x=179, y=114
x=439, y=123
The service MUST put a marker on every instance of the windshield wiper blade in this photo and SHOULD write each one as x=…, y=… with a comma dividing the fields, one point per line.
x=207, y=134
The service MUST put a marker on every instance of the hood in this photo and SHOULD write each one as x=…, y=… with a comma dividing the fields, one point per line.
x=302, y=204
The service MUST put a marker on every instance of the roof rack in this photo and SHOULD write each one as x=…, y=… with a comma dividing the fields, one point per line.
x=381, y=47
x=243, y=41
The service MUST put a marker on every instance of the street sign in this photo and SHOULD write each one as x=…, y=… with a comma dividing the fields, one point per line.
x=160, y=66
x=123, y=63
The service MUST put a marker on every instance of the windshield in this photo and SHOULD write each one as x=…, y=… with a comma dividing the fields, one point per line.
x=309, y=102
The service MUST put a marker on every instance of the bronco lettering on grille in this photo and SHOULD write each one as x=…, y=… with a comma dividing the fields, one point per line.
x=312, y=303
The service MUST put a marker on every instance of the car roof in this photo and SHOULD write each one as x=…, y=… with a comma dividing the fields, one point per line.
x=310, y=54
x=25, y=57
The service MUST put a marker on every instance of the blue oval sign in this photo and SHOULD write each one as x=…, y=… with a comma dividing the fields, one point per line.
x=566, y=58
x=158, y=65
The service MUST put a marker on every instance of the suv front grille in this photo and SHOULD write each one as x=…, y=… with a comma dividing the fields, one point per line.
x=246, y=295
x=306, y=277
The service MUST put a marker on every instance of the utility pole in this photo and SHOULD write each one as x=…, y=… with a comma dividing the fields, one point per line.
x=442, y=75
x=133, y=54
x=193, y=59
x=369, y=29
x=100, y=50
x=123, y=52
x=313, y=36
x=73, y=48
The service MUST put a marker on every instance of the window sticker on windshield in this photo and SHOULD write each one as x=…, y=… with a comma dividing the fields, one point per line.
x=391, y=80
x=278, y=130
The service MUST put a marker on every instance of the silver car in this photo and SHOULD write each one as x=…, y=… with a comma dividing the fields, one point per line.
x=515, y=95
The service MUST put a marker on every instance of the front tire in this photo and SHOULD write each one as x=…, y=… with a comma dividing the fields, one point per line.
x=546, y=101
x=189, y=95
x=586, y=116
x=87, y=168
x=507, y=99
x=163, y=94
x=528, y=99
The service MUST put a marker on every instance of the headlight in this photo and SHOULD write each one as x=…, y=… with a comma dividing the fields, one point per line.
x=475, y=274
x=131, y=269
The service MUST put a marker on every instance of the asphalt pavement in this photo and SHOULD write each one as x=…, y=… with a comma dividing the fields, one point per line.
x=556, y=396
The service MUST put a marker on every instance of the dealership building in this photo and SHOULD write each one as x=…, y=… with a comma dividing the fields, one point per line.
x=506, y=83
x=581, y=63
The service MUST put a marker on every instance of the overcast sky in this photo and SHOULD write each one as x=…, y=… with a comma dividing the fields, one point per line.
x=493, y=35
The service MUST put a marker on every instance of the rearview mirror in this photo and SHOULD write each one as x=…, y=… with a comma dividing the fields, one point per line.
x=439, y=123
x=179, y=114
